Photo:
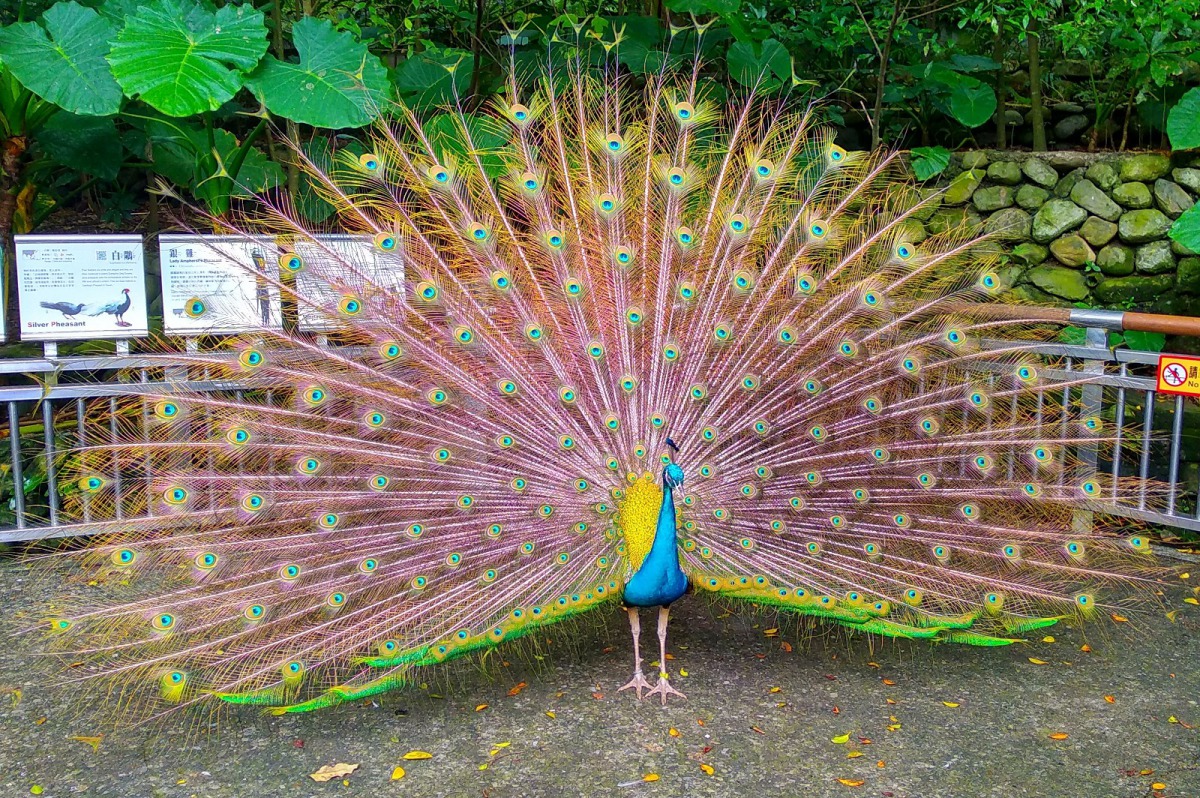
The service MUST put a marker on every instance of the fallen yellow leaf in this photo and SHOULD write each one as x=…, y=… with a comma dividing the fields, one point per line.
x=841, y=738
x=94, y=742
x=397, y=773
x=950, y=704
x=36, y=790
x=518, y=688
x=880, y=764
x=707, y=768
x=854, y=754
x=852, y=782
x=1145, y=772
x=1158, y=785
x=329, y=772
x=480, y=707
x=1110, y=699
x=1059, y=736
x=1037, y=661
x=1085, y=648
x=650, y=777
x=1190, y=600
x=1172, y=719
x=411, y=755
x=889, y=682
x=770, y=632
x=682, y=672
x=1119, y=618
x=1185, y=575
x=1048, y=639
x=775, y=689
x=873, y=665
x=550, y=714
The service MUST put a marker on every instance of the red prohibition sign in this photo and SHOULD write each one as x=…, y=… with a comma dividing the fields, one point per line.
x=1174, y=374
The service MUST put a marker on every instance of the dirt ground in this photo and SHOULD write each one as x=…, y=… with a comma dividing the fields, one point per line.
x=767, y=714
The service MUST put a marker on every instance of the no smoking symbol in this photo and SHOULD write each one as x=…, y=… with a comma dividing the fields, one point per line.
x=1174, y=375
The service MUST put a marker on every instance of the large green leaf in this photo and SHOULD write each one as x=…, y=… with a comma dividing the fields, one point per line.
x=336, y=84
x=63, y=62
x=487, y=137
x=1183, y=123
x=1186, y=229
x=972, y=102
x=435, y=76
x=759, y=65
x=929, y=162
x=328, y=156
x=89, y=144
x=183, y=59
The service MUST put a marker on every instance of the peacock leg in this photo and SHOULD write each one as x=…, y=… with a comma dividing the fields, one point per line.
x=638, y=682
x=663, y=687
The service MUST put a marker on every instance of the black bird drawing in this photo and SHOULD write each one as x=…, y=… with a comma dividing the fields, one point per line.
x=66, y=308
x=117, y=309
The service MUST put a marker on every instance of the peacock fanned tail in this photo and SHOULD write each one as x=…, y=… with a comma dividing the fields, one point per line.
x=592, y=262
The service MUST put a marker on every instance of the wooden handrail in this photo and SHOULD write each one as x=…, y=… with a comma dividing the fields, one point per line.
x=1107, y=319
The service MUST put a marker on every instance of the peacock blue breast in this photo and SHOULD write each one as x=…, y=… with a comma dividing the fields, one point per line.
x=659, y=580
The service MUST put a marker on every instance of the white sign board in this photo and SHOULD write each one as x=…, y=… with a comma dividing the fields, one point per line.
x=73, y=287
x=222, y=284
x=362, y=263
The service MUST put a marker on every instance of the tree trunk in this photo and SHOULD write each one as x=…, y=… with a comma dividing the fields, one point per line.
x=998, y=57
x=1036, y=113
x=885, y=56
x=12, y=164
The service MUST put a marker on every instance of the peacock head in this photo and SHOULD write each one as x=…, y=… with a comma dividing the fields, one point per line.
x=672, y=473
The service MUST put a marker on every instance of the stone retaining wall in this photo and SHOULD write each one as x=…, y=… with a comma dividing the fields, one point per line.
x=1079, y=227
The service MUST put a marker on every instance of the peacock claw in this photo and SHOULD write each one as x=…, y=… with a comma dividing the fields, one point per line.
x=637, y=684
x=664, y=689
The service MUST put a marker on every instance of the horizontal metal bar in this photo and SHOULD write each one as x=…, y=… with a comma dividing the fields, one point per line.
x=85, y=390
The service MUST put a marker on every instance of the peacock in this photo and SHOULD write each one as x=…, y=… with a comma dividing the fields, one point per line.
x=623, y=334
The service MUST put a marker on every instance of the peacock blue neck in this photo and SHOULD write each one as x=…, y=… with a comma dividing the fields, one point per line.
x=659, y=580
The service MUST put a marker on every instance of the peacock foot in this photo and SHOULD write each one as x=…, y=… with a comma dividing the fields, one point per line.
x=637, y=684
x=664, y=689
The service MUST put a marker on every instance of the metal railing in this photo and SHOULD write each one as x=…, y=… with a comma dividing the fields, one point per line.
x=1118, y=385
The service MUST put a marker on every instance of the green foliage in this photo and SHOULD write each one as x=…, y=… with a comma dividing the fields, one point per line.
x=929, y=162
x=336, y=84
x=87, y=144
x=1183, y=123
x=62, y=60
x=764, y=65
x=182, y=59
x=1186, y=229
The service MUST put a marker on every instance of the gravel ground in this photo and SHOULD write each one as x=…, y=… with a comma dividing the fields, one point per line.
x=927, y=721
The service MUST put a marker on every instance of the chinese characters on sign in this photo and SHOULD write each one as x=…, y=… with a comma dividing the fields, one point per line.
x=79, y=286
x=220, y=284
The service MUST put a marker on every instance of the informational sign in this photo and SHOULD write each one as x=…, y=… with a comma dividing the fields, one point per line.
x=367, y=272
x=73, y=287
x=1179, y=374
x=219, y=284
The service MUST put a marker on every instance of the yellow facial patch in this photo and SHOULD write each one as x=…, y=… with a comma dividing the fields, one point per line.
x=637, y=517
